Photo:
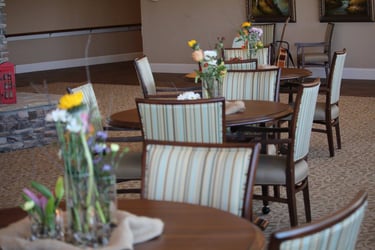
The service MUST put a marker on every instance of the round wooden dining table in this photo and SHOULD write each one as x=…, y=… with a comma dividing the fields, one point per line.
x=285, y=74
x=255, y=112
x=288, y=74
x=186, y=226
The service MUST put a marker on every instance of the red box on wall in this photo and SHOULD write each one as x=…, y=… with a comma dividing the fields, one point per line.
x=7, y=84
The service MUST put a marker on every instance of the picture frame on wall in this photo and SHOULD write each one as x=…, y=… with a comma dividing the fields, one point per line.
x=260, y=11
x=346, y=10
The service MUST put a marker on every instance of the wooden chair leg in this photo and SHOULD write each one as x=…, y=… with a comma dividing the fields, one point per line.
x=338, y=134
x=292, y=207
x=306, y=200
x=330, y=139
x=265, y=209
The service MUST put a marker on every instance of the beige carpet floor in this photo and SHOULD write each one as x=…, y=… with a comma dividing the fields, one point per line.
x=333, y=181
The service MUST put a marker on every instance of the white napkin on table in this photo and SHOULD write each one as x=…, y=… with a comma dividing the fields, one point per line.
x=131, y=230
x=234, y=107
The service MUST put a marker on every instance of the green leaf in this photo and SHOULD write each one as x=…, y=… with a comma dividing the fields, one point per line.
x=49, y=212
x=59, y=189
x=42, y=189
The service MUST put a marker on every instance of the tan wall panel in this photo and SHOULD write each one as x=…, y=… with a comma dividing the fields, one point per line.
x=44, y=15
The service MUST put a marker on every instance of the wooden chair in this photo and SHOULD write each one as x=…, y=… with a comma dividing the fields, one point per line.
x=129, y=168
x=291, y=170
x=148, y=85
x=233, y=54
x=316, y=54
x=268, y=37
x=201, y=121
x=213, y=175
x=259, y=84
x=327, y=112
x=334, y=232
x=263, y=55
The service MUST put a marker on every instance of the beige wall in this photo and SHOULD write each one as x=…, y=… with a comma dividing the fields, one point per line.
x=168, y=24
x=29, y=54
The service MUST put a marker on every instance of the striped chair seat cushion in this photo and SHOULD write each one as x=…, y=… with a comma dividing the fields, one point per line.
x=214, y=177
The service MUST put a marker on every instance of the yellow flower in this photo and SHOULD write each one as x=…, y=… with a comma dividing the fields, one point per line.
x=245, y=25
x=259, y=44
x=69, y=101
x=191, y=43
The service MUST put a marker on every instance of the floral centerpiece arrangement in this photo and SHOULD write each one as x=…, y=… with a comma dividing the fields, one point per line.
x=90, y=181
x=211, y=68
x=250, y=37
x=43, y=209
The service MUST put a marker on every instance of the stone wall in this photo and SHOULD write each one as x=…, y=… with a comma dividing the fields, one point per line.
x=23, y=125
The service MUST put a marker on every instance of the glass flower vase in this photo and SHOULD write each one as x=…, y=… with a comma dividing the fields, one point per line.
x=212, y=87
x=40, y=229
x=89, y=220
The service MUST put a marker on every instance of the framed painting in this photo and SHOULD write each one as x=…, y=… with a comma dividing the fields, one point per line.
x=259, y=11
x=346, y=11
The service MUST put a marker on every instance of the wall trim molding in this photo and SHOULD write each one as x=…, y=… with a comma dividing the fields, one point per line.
x=79, y=62
x=349, y=73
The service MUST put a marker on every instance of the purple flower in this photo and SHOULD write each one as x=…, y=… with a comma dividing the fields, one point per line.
x=106, y=168
x=43, y=202
x=32, y=196
x=101, y=135
x=99, y=148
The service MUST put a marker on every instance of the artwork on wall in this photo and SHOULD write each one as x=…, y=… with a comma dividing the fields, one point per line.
x=346, y=11
x=271, y=10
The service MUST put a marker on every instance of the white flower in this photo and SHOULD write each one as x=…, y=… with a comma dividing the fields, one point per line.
x=57, y=115
x=189, y=96
x=210, y=56
x=74, y=125
x=115, y=147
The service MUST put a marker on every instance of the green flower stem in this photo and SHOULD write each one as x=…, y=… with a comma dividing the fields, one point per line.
x=92, y=190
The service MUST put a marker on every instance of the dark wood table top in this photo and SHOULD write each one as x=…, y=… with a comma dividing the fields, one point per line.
x=294, y=73
x=256, y=112
x=286, y=74
x=185, y=226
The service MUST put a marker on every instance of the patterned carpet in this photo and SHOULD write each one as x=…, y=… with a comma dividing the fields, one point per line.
x=333, y=181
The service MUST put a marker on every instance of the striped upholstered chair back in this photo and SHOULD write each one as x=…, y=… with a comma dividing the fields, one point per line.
x=145, y=76
x=301, y=126
x=232, y=54
x=201, y=121
x=335, y=76
x=259, y=84
x=268, y=36
x=334, y=232
x=89, y=98
x=263, y=55
x=213, y=175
